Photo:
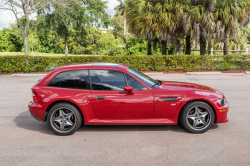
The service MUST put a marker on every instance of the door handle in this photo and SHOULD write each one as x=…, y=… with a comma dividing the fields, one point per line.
x=100, y=97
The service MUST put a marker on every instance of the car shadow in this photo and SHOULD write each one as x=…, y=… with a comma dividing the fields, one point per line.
x=108, y=128
x=24, y=121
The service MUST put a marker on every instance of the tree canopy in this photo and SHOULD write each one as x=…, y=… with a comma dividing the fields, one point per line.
x=152, y=27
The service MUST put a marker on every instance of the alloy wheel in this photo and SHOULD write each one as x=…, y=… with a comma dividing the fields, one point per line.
x=198, y=117
x=63, y=120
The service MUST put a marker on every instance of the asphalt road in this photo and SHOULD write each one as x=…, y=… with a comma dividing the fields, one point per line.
x=25, y=141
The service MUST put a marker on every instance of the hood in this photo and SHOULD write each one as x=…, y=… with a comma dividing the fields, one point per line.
x=166, y=85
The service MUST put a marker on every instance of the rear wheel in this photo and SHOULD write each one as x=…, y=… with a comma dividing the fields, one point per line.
x=197, y=117
x=64, y=119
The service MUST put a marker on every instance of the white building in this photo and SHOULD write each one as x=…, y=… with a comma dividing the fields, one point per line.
x=102, y=30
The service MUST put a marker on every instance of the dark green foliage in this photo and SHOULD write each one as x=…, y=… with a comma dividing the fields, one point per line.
x=77, y=17
x=12, y=64
x=60, y=23
x=9, y=41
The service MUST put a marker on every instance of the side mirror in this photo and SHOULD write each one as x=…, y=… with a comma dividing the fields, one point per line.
x=128, y=88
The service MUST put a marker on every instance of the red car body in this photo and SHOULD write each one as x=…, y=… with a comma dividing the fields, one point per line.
x=119, y=107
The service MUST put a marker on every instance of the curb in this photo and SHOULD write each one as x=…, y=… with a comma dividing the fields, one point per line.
x=203, y=73
x=154, y=73
x=28, y=75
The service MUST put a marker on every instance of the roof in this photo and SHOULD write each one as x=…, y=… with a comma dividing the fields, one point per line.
x=101, y=29
x=106, y=64
x=90, y=64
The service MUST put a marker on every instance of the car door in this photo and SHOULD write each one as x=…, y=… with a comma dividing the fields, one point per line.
x=110, y=101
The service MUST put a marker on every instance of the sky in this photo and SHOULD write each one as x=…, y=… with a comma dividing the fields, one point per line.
x=6, y=17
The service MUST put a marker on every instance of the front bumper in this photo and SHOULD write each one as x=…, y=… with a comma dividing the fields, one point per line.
x=221, y=112
x=37, y=110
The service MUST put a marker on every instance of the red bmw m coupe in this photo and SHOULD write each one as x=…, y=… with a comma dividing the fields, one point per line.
x=115, y=94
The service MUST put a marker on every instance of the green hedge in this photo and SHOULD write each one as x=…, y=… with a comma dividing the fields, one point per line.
x=12, y=64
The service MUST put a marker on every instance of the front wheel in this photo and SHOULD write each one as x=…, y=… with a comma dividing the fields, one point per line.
x=64, y=119
x=197, y=117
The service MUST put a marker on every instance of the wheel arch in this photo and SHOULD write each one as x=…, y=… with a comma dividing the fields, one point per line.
x=61, y=101
x=215, y=120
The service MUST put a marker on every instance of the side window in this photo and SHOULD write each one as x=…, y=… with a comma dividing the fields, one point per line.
x=109, y=80
x=74, y=79
x=134, y=83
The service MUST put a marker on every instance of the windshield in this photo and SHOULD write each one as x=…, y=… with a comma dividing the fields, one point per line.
x=149, y=81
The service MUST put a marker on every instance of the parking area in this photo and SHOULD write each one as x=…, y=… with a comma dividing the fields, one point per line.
x=25, y=141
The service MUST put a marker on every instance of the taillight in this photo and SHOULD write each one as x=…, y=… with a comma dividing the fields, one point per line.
x=35, y=99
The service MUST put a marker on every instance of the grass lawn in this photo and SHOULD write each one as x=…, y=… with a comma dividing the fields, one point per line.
x=38, y=54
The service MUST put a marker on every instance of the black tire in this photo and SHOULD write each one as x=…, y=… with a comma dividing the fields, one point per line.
x=64, y=119
x=194, y=119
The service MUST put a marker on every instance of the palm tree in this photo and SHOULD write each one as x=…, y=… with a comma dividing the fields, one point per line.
x=218, y=20
x=181, y=25
x=166, y=20
x=188, y=32
x=141, y=17
x=121, y=8
x=177, y=21
x=231, y=13
x=198, y=20
x=188, y=24
x=163, y=18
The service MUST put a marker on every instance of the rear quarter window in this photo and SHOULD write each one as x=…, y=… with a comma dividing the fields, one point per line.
x=73, y=79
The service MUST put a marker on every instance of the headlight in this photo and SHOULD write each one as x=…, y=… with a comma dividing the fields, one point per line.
x=222, y=101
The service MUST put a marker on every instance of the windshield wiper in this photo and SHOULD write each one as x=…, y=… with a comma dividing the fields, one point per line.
x=158, y=82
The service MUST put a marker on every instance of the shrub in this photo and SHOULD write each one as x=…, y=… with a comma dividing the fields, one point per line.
x=12, y=64
x=79, y=49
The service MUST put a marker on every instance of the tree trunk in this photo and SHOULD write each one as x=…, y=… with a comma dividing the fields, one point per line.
x=226, y=43
x=178, y=47
x=155, y=44
x=207, y=50
x=202, y=44
x=149, y=47
x=188, y=45
x=26, y=46
x=179, y=50
x=164, y=47
x=210, y=6
x=66, y=46
x=124, y=24
x=32, y=47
